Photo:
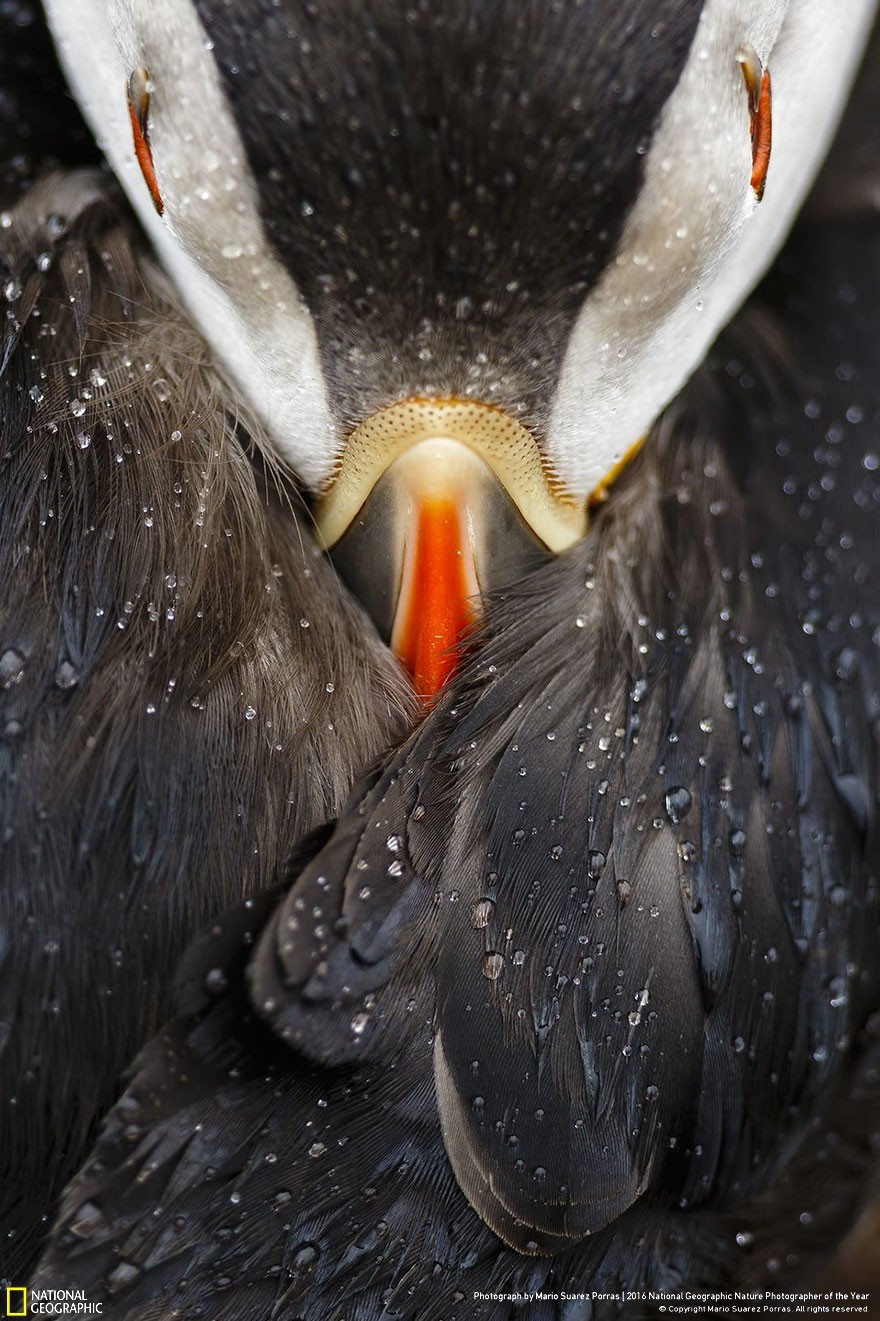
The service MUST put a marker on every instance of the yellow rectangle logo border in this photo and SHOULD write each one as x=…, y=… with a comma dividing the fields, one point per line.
x=22, y=1292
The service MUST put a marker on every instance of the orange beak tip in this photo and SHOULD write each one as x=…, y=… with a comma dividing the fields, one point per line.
x=434, y=610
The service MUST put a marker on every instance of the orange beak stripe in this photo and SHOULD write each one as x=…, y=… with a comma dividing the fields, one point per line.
x=434, y=611
x=762, y=136
x=138, y=114
x=760, y=94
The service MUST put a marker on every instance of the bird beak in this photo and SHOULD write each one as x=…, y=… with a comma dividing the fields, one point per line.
x=434, y=504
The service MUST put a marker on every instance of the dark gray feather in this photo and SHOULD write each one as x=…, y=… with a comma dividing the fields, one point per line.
x=185, y=688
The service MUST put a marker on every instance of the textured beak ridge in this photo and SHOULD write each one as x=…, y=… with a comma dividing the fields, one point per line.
x=434, y=504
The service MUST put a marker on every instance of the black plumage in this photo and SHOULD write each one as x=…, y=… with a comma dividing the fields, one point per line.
x=40, y=126
x=185, y=688
x=614, y=905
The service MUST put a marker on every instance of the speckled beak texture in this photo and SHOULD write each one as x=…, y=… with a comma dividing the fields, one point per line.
x=440, y=500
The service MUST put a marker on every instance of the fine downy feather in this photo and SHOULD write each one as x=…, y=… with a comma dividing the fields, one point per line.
x=185, y=688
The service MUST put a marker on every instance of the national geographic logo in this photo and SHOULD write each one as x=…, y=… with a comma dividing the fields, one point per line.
x=58, y=1303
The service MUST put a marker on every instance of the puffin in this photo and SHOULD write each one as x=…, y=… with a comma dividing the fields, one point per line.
x=577, y=999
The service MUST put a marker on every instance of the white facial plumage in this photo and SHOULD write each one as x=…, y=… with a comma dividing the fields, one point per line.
x=210, y=238
x=697, y=240
x=694, y=244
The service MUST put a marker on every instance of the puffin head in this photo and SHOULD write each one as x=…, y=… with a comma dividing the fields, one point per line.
x=458, y=255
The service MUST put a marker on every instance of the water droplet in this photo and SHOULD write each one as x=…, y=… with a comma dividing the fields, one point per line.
x=678, y=804
x=595, y=864
x=317, y=1149
x=304, y=1256
x=216, y=981
x=66, y=676
x=77, y=407
x=481, y=912
x=87, y=1220
x=249, y=713
x=493, y=965
x=737, y=842
x=123, y=1276
x=11, y=667
x=744, y=1239
x=358, y=1025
